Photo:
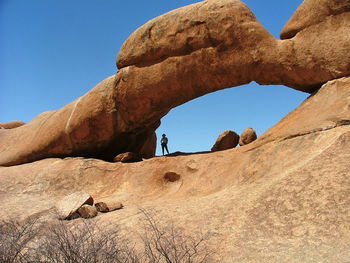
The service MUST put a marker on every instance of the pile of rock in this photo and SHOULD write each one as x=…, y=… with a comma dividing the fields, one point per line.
x=81, y=204
x=229, y=139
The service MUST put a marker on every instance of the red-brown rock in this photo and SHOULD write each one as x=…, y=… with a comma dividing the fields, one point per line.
x=226, y=140
x=247, y=136
x=87, y=211
x=312, y=12
x=108, y=206
x=148, y=150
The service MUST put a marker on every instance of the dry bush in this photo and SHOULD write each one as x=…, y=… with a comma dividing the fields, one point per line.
x=169, y=244
x=14, y=241
x=85, y=242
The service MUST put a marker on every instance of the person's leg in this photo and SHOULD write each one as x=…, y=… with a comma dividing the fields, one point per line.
x=163, y=148
x=166, y=148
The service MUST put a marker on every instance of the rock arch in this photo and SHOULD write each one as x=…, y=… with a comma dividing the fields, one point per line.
x=208, y=46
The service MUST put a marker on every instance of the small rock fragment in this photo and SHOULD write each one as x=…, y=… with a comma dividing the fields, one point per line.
x=108, y=206
x=87, y=211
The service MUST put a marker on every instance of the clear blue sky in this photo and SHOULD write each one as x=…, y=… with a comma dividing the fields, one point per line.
x=53, y=51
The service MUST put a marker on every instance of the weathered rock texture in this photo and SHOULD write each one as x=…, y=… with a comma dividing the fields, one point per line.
x=148, y=150
x=282, y=198
x=247, y=136
x=223, y=34
x=226, y=140
x=87, y=211
x=11, y=124
x=312, y=12
x=108, y=206
x=69, y=205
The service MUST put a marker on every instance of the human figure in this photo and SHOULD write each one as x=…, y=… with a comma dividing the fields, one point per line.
x=164, y=143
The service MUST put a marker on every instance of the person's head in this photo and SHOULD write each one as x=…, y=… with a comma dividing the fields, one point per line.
x=163, y=135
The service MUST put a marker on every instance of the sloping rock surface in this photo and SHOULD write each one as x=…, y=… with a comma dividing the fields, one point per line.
x=283, y=198
x=11, y=124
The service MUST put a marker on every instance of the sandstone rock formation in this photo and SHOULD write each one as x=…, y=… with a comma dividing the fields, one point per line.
x=11, y=124
x=282, y=198
x=247, y=136
x=222, y=33
x=226, y=140
x=67, y=208
x=312, y=12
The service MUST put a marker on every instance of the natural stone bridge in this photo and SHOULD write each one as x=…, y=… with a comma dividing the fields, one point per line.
x=207, y=46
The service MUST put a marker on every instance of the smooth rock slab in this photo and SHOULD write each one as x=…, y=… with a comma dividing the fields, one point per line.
x=69, y=205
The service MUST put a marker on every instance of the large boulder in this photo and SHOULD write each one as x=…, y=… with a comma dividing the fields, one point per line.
x=67, y=208
x=129, y=105
x=226, y=140
x=247, y=136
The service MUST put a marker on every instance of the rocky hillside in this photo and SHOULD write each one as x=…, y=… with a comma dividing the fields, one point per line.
x=283, y=198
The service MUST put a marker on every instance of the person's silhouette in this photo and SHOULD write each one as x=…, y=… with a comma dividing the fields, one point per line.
x=164, y=143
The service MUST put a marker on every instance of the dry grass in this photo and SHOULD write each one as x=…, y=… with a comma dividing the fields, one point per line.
x=85, y=242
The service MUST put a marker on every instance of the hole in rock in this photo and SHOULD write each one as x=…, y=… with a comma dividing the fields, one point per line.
x=195, y=125
x=171, y=177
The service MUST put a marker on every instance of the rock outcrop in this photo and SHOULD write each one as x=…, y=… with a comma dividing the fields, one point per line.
x=226, y=140
x=11, y=124
x=282, y=198
x=129, y=105
x=312, y=12
x=247, y=136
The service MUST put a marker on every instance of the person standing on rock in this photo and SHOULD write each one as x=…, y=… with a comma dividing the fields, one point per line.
x=164, y=143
